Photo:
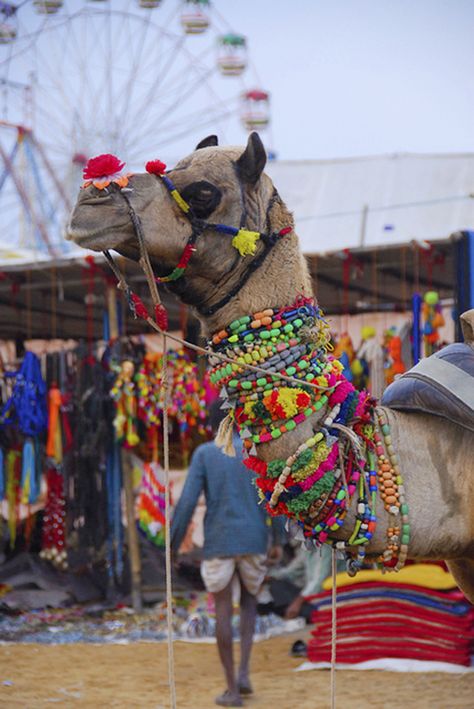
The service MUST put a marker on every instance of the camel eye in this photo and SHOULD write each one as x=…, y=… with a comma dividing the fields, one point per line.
x=202, y=197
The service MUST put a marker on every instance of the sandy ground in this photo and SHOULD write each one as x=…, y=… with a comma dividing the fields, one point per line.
x=135, y=676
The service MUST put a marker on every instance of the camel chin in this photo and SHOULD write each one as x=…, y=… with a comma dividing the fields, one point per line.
x=98, y=240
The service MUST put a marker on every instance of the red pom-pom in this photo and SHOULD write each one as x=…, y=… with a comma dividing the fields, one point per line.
x=102, y=166
x=161, y=317
x=155, y=167
x=256, y=464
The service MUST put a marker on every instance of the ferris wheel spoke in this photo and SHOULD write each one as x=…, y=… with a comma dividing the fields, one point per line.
x=162, y=71
x=128, y=89
x=62, y=95
x=178, y=129
x=189, y=63
x=191, y=84
x=197, y=118
x=55, y=115
x=223, y=106
x=185, y=131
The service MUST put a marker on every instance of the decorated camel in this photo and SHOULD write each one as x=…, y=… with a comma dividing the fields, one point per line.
x=368, y=479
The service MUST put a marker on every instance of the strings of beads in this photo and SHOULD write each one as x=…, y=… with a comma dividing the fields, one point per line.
x=393, y=495
x=271, y=339
x=334, y=467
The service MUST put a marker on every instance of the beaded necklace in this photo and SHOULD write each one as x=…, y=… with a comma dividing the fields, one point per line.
x=341, y=462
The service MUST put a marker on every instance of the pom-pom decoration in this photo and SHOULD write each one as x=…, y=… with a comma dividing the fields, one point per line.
x=286, y=402
x=123, y=393
x=155, y=167
x=433, y=320
x=101, y=170
x=246, y=242
x=188, y=403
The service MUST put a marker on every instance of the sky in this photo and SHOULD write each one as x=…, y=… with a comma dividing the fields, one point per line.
x=363, y=77
x=346, y=77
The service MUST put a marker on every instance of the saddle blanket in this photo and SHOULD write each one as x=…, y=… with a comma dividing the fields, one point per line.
x=441, y=385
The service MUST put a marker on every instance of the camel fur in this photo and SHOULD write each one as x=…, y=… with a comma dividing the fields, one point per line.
x=435, y=456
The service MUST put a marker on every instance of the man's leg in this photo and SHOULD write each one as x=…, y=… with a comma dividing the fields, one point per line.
x=248, y=612
x=223, y=604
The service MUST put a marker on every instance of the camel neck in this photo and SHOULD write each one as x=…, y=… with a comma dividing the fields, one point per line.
x=277, y=283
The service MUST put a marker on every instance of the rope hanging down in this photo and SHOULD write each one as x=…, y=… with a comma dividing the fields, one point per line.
x=169, y=589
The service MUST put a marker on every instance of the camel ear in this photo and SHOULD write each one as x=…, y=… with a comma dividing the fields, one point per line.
x=208, y=142
x=252, y=161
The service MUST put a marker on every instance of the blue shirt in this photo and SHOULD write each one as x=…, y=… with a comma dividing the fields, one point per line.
x=234, y=524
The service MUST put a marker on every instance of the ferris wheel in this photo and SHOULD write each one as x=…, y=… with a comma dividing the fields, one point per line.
x=139, y=78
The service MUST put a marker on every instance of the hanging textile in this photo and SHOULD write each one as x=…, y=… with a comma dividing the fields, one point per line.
x=26, y=407
x=150, y=505
x=114, y=511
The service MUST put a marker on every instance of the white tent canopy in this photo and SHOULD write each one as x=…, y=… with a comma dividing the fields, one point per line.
x=377, y=201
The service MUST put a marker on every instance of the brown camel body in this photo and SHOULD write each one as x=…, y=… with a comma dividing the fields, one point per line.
x=228, y=186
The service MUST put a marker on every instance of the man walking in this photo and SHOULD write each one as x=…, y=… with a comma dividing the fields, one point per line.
x=237, y=535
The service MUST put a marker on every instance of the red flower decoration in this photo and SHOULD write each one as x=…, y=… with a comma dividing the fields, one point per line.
x=102, y=166
x=155, y=167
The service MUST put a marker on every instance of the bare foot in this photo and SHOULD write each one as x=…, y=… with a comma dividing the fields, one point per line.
x=245, y=686
x=229, y=699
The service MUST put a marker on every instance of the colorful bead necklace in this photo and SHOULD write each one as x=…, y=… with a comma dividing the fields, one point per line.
x=341, y=462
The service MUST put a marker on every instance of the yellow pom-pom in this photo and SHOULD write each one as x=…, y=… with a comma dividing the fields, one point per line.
x=287, y=398
x=246, y=242
x=132, y=439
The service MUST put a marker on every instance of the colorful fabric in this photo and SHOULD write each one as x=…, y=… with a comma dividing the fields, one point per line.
x=393, y=620
x=428, y=575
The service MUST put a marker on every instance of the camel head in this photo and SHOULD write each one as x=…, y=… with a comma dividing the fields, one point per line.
x=217, y=184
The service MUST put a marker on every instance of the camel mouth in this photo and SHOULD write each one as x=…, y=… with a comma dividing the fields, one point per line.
x=98, y=239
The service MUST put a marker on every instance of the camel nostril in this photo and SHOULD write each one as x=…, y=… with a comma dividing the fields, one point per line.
x=96, y=201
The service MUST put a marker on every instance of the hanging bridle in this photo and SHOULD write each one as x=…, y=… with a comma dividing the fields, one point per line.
x=243, y=240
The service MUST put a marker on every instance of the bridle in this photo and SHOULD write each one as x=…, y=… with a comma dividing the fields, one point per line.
x=244, y=240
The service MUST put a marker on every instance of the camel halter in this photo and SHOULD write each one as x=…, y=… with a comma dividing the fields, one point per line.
x=104, y=171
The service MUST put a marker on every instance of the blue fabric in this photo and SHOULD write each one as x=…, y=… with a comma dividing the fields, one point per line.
x=27, y=405
x=234, y=523
x=421, y=599
x=29, y=469
x=414, y=391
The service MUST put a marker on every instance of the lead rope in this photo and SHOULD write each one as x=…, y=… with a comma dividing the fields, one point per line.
x=169, y=589
x=148, y=271
x=146, y=266
x=333, y=630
